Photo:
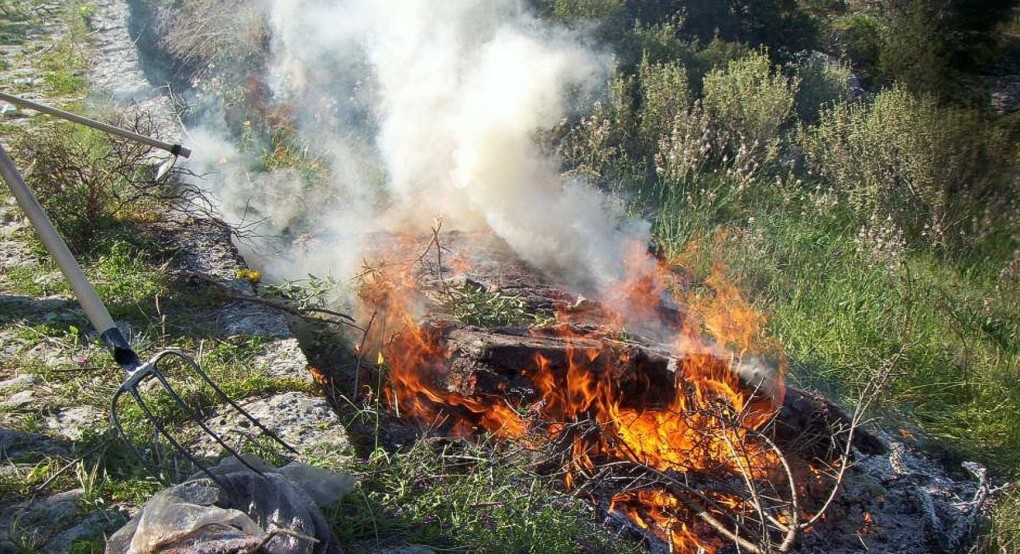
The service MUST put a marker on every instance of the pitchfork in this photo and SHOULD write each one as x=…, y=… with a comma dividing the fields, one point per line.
x=138, y=372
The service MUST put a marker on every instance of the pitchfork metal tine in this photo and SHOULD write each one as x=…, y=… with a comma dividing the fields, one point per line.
x=223, y=396
x=127, y=440
x=162, y=431
x=150, y=369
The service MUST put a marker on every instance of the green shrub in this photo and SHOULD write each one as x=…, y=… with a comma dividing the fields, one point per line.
x=903, y=156
x=588, y=148
x=934, y=45
x=690, y=147
x=569, y=10
x=69, y=178
x=662, y=43
x=824, y=82
x=664, y=94
x=596, y=147
x=87, y=181
x=750, y=99
x=916, y=48
x=622, y=112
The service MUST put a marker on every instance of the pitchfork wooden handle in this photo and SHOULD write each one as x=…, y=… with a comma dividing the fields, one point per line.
x=175, y=149
x=55, y=245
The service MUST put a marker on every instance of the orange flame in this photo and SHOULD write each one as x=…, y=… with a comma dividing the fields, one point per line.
x=705, y=423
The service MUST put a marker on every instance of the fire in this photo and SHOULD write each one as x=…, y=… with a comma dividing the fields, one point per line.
x=705, y=424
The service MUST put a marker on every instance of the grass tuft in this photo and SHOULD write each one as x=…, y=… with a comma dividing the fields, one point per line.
x=463, y=496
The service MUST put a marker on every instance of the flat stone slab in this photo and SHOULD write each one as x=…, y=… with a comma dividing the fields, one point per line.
x=305, y=422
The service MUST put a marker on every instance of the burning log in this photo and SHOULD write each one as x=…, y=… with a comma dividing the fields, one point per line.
x=704, y=446
x=489, y=362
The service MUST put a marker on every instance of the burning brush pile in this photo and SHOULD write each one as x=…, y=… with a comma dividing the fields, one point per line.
x=544, y=321
x=690, y=441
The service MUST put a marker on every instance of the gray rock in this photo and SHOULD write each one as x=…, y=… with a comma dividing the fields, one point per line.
x=49, y=279
x=51, y=512
x=305, y=422
x=245, y=318
x=19, y=401
x=20, y=383
x=54, y=523
x=96, y=524
x=16, y=444
x=284, y=358
x=71, y=422
x=117, y=71
x=48, y=354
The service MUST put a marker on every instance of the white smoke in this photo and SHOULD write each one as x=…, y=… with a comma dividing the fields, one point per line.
x=428, y=109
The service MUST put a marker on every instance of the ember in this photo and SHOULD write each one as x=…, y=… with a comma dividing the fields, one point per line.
x=626, y=388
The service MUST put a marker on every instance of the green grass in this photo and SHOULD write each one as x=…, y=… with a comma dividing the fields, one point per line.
x=467, y=497
x=840, y=313
x=124, y=275
x=67, y=61
x=21, y=478
x=89, y=545
x=1003, y=532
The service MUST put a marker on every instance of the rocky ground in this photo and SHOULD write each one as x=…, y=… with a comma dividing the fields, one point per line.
x=41, y=424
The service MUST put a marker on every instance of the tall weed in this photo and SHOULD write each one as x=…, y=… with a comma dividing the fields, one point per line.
x=751, y=100
x=665, y=93
x=903, y=156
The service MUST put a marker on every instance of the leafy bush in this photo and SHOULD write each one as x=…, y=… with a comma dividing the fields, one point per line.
x=569, y=10
x=664, y=43
x=664, y=93
x=69, y=179
x=597, y=146
x=824, y=82
x=928, y=45
x=589, y=148
x=688, y=149
x=750, y=99
x=916, y=47
x=903, y=156
x=857, y=37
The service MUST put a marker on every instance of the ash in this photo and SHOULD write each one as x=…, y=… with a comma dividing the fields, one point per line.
x=902, y=501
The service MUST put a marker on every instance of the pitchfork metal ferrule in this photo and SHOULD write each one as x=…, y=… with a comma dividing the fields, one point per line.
x=138, y=373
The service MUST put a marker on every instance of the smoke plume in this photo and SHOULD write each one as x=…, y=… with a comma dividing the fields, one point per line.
x=423, y=110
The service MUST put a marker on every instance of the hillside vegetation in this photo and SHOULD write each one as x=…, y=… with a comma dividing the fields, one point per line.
x=842, y=159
